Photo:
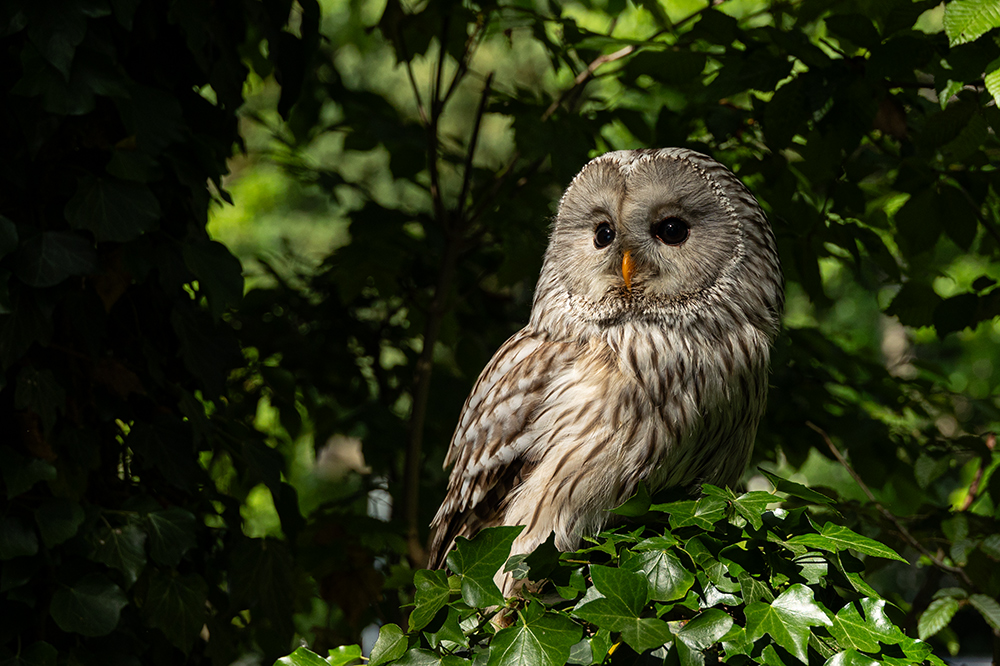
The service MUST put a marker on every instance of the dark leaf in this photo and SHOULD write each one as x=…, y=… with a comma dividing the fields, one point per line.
x=52, y=256
x=90, y=607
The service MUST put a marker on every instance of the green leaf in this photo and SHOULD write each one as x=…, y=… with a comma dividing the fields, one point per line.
x=261, y=576
x=391, y=645
x=17, y=538
x=753, y=590
x=21, y=473
x=475, y=562
x=303, y=657
x=637, y=505
x=795, y=489
x=171, y=534
x=38, y=653
x=787, y=619
x=58, y=520
x=864, y=634
x=645, y=633
x=176, y=606
x=50, y=257
x=835, y=538
x=449, y=630
x=431, y=596
x=112, y=209
x=91, y=607
x=988, y=608
x=542, y=638
x=850, y=658
x=668, y=578
x=992, y=80
x=623, y=595
x=342, y=656
x=39, y=391
x=752, y=506
x=121, y=548
x=968, y=20
x=936, y=617
x=706, y=629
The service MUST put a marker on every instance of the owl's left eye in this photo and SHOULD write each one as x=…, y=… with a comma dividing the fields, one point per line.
x=603, y=235
x=672, y=231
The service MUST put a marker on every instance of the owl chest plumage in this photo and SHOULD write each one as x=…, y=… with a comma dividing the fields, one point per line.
x=641, y=402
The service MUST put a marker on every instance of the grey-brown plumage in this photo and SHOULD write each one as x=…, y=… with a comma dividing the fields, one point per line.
x=646, y=356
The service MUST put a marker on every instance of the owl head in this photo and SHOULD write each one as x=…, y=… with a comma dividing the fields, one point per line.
x=657, y=235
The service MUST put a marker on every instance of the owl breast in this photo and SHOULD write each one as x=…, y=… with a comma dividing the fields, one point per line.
x=643, y=402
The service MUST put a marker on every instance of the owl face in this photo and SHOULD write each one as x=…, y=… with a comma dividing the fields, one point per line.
x=639, y=232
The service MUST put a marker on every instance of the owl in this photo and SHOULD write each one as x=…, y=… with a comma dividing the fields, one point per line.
x=645, y=357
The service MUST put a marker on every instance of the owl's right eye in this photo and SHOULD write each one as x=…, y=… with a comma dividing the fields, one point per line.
x=604, y=235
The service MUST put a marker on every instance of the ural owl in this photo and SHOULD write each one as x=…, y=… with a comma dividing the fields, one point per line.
x=646, y=357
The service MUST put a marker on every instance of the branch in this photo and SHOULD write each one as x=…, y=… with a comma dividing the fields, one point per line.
x=888, y=515
x=467, y=171
x=585, y=75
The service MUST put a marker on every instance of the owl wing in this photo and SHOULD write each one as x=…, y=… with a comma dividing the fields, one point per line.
x=491, y=445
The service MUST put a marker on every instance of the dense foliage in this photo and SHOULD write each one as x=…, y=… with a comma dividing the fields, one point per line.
x=163, y=498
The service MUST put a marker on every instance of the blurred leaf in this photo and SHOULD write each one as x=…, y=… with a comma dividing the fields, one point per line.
x=988, y=608
x=58, y=520
x=936, y=617
x=90, y=607
x=175, y=604
x=52, y=256
x=113, y=210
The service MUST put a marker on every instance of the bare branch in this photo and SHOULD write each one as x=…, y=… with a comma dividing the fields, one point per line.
x=585, y=75
x=467, y=171
x=991, y=443
x=888, y=515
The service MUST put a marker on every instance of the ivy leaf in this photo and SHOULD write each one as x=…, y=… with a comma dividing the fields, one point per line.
x=754, y=590
x=668, y=578
x=176, y=606
x=260, y=575
x=121, y=548
x=645, y=633
x=475, y=563
x=787, y=619
x=988, y=608
x=850, y=658
x=303, y=657
x=936, y=617
x=8, y=236
x=864, y=634
x=542, y=638
x=341, y=656
x=21, y=473
x=968, y=20
x=91, y=607
x=623, y=595
x=171, y=534
x=50, y=257
x=835, y=538
x=58, y=520
x=431, y=596
x=701, y=633
x=112, y=209
x=795, y=489
x=391, y=645
x=752, y=505
x=637, y=505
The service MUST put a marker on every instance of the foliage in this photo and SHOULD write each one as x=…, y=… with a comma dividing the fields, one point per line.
x=181, y=466
x=720, y=578
x=117, y=543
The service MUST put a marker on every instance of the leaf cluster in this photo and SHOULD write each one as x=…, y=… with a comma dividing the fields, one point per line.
x=727, y=577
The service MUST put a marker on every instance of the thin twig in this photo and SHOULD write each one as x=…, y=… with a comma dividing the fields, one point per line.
x=888, y=515
x=467, y=171
x=583, y=76
x=991, y=443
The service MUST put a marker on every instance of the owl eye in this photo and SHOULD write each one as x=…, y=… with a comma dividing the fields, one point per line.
x=604, y=235
x=672, y=231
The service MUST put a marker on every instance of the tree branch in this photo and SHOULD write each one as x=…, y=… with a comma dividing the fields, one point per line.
x=888, y=515
x=467, y=170
x=991, y=443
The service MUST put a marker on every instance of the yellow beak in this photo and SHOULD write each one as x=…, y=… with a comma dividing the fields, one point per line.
x=628, y=267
